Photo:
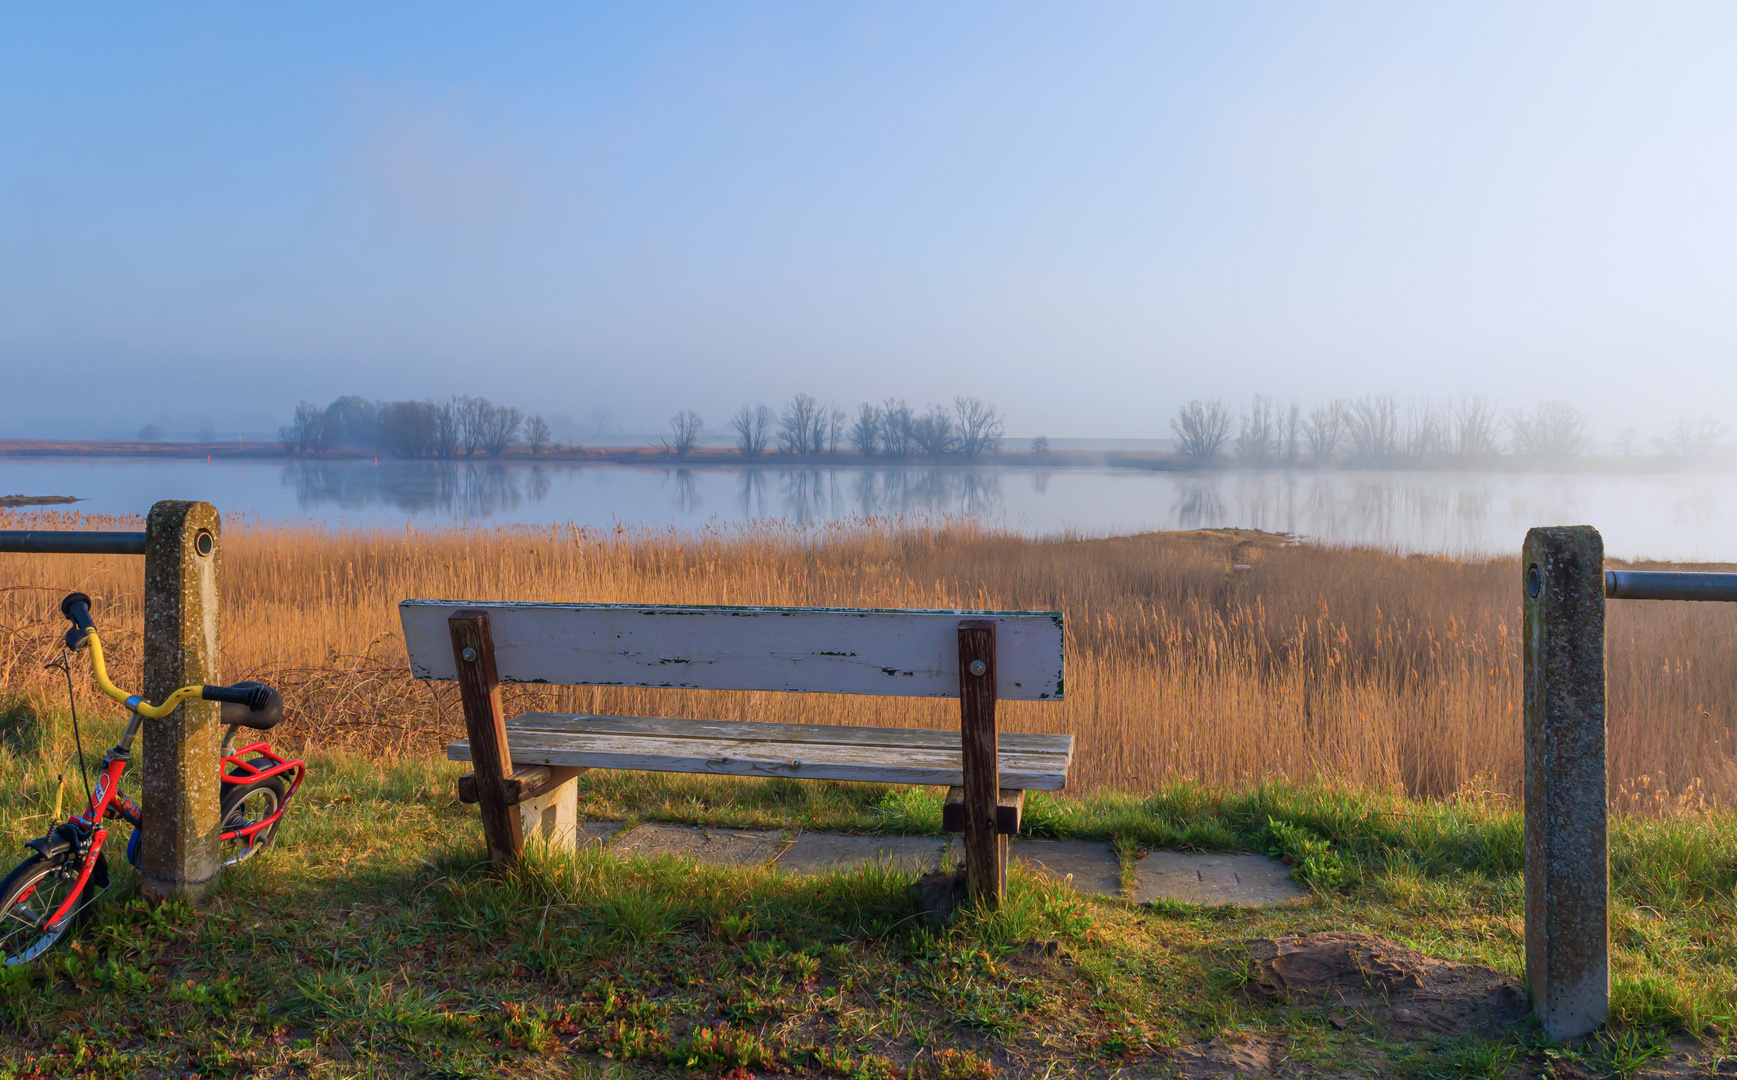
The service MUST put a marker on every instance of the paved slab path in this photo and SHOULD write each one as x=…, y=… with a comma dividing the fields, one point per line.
x=1090, y=866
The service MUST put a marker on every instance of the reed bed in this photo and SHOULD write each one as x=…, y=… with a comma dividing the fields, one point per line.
x=1387, y=672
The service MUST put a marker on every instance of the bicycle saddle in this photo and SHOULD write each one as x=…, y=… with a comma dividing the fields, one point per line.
x=263, y=718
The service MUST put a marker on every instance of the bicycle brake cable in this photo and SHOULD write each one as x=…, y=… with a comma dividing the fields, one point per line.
x=72, y=704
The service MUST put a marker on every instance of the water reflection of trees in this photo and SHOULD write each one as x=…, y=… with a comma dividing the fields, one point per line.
x=820, y=494
x=687, y=492
x=1435, y=512
x=898, y=492
x=468, y=489
x=1382, y=510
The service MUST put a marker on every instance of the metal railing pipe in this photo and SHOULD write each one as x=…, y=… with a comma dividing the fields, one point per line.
x=66, y=542
x=1668, y=585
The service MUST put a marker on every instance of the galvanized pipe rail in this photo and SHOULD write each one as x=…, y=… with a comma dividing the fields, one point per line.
x=1668, y=585
x=61, y=542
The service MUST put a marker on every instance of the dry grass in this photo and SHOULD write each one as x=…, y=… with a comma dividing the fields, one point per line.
x=1392, y=673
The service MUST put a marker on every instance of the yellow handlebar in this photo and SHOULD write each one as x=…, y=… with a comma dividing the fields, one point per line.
x=100, y=674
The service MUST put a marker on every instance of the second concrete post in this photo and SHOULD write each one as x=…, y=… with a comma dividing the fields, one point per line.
x=1567, y=854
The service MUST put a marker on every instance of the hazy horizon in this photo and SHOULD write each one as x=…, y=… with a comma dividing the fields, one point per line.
x=1087, y=215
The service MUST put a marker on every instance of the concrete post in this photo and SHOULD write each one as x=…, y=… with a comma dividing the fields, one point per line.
x=180, y=760
x=1567, y=856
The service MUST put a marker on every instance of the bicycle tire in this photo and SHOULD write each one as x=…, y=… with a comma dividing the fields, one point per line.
x=22, y=934
x=243, y=804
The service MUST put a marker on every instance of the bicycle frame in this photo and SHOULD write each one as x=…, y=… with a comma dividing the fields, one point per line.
x=106, y=799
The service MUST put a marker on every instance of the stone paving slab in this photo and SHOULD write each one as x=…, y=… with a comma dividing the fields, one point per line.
x=715, y=847
x=1095, y=867
x=820, y=853
x=1245, y=880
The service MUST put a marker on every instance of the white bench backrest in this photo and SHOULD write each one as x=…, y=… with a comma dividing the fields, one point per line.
x=821, y=650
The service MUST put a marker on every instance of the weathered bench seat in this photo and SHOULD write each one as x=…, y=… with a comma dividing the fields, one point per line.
x=757, y=748
x=525, y=766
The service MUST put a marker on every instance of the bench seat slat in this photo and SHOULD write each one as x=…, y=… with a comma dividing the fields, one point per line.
x=1042, y=770
x=761, y=731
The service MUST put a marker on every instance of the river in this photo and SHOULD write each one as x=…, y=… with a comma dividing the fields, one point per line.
x=1678, y=515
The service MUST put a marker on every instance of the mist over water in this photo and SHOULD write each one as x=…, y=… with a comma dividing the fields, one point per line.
x=1683, y=515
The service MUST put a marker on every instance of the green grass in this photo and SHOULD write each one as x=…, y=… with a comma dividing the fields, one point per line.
x=367, y=942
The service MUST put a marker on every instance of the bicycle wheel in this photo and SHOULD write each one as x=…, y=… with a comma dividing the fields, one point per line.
x=245, y=804
x=30, y=895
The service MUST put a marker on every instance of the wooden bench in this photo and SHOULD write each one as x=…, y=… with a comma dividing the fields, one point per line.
x=524, y=767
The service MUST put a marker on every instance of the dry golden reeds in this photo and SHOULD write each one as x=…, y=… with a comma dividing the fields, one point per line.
x=1399, y=673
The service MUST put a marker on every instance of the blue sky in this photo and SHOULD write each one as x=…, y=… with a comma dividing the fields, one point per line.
x=1085, y=213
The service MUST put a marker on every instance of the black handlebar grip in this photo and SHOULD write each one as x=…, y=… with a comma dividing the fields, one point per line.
x=254, y=695
x=76, y=607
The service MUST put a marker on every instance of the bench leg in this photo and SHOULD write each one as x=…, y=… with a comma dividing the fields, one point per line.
x=985, y=847
x=479, y=688
x=553, y=817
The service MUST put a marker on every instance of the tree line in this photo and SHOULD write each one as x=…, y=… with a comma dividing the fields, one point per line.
x=461, y=425
x=805, y=427
x=1384, y=430
x=465, y=426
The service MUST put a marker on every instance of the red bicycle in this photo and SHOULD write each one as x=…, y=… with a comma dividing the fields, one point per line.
x=53, y=889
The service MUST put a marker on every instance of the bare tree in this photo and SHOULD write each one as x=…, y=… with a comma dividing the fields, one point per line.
x=1201, y=428
x=1372, y=429
x=598, y=421
x=1554, y=429
x=447, y=429
x=865, y=430
x=1257, y=437
x=1692, y=438
x=499, y=426
x=753, y=427
x=410, y=429
x=1627, y=441
x=1324, y=428
x=835, y=427
x=1040, y=446
x=1291, y=434
x=684, y=432
x=474, y=415
x=896, y=422
x=306, y=433
x=980, y=426
x=537, y=435
x=1422, y=430
x=934, y=432
x=1476, y=431
x=801, y=426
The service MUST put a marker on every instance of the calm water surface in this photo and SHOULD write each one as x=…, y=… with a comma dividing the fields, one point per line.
x=1677, y=515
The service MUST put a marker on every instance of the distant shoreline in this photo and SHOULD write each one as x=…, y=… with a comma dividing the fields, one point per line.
x=1134, y=460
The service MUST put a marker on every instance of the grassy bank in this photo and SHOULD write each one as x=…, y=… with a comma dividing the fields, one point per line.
x=1389, y=673
x=367, y=944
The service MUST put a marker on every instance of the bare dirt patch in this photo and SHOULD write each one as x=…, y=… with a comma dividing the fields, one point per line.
x=1367, y=979
x=1227, y=1058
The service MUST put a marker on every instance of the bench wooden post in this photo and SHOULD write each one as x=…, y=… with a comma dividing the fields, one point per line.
x=985, y=847
x=479, y=687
